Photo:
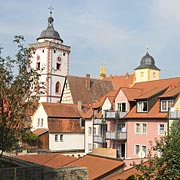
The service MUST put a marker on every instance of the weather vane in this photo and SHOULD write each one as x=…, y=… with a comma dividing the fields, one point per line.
x=51, y=8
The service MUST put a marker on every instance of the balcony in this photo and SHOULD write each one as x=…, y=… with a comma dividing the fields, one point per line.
x=99, y=121
x=174, y=114
x=99, y=139
x=115, y=114
x=116, y=135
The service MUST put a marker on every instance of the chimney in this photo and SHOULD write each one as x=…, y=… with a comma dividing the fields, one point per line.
x=80, y=105
x=88, y=82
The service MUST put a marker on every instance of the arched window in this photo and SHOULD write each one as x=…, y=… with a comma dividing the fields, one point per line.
x=58, y=88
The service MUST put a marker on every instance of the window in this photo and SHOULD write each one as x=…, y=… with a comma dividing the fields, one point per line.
x=56, y=137
x=161, y=129
x=144, y=150
x=43, y=51
x=144, y=128
x=82, y=122
x=121, y=107
x=94, y=131
x=38, y=65
x=137, y=128
x=142, y=106
x=89, y=130
x=54, y=50
x=166, y=104
x=38, y=122
x=58, y=66
x=64, y=53
x=41, y=122
x=61, y=137
x=89, y=147
x=137, y=149
x=57, y=90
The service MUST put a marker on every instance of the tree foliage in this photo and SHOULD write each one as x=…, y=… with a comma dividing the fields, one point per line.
x=166, y=165
x=16, y=97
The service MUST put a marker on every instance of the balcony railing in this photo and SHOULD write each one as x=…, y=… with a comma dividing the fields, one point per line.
x=99, y=121
x=115, y=114
x=174, y=114
x=116, y=135
x=99, y=139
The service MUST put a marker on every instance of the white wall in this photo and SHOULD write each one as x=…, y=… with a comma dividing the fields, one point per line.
x=71, y=141
x=88, y=137
x=41, y=114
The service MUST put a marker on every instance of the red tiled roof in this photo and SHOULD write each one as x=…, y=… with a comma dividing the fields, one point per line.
x=172, y=92
x=97, y=166
x=40, y=131
x=79, y=92
x=65, y=126
x=152, y=92
x=132, y=93
x=153, y=113
x=53, y=160
x=121, y=81
x=61, y=110
x=125, y=174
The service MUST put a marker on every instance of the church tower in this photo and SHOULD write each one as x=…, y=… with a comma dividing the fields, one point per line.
x=147, y=71
x=50, y=58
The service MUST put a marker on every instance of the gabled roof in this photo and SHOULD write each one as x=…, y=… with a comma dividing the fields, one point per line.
x=152, y=92
x=40, y=131
x=131, y=93
x=98, y=166
x=80, y=92
x=154, y=112
x=61, y=110
x=53, y=160
x=171, y=93
x=64, y=126
x=121, y=81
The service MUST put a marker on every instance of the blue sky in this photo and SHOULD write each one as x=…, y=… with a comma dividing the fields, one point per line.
x=111, y=32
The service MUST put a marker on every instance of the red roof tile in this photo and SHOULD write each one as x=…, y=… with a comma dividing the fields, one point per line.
x=97, y=166
x=61, y=110
x=40, y=131
x=53, y=160
x=79, y=92
x=172, y=92
x=121, y=81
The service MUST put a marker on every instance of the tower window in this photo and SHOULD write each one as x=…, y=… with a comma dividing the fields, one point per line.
x=43, y=51
x=58, y=88
x=64, y=53
x=38, y=65
x=54, y=50
x=58, y=66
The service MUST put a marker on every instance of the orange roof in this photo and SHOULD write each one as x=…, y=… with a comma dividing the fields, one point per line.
x=152, y=92
x=65, y=126
x=40, y=131
x=121, y=81
x=61, y=110
x=172, y=92
x=153, y=113
x=53, y=160
x=125, y=174
x=131, y=93
x=98, y=166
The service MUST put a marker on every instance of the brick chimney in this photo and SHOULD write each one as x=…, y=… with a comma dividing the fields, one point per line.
x=88, y=82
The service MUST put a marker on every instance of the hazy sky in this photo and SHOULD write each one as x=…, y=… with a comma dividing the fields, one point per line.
x=111, y=32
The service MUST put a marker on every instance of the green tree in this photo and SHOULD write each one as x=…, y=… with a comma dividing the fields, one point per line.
x=166, y=166
x=16, y=97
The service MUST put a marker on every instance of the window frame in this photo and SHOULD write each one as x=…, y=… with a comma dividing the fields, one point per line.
x=166, y=104
x=159, y=129
x=56, y=138
x=137, y=132
x=121, y=106
x=135, y=149
x=140, y=106
x=143, y=128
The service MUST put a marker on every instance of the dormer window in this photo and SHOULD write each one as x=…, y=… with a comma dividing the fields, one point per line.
x=142, y=106
x=166, y=104
x=121, y=107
